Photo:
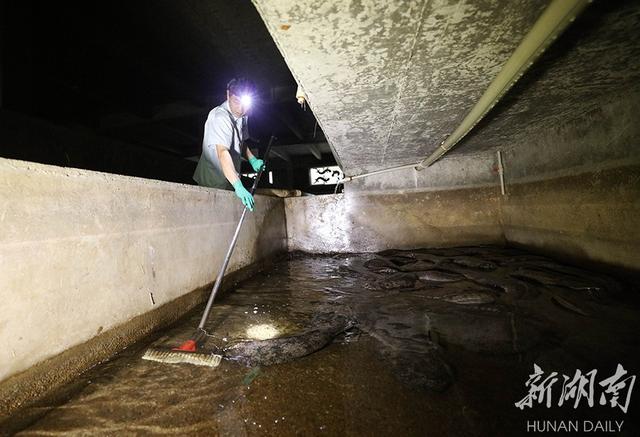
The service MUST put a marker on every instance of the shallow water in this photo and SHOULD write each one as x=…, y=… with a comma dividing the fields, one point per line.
x=440, y=342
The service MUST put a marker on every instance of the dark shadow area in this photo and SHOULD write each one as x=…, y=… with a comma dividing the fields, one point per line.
x=126, y=87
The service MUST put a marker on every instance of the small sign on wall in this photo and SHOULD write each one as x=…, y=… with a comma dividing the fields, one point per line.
x=325, y=175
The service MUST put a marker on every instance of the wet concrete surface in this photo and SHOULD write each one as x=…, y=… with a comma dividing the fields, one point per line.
x=423, y=342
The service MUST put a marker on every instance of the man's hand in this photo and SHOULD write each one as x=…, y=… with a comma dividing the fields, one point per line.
x=243, y=194
x=256, y=163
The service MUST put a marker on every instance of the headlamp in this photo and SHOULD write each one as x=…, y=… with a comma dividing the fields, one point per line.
x=246, y=100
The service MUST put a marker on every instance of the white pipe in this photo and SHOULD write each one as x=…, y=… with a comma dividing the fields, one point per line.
x=501, y=172
x=386, y=170
x=553, y=21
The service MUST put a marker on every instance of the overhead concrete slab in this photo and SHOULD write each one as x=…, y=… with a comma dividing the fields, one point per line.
x=388, y=81
x=594, y=64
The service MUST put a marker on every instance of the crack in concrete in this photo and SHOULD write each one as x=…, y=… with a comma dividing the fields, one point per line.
x=405, y=75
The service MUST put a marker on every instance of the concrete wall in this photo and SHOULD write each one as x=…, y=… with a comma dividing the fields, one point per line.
x=451, y=172
x=590, y=216
x=574, y=189
x=82, y=253
x=358, y=222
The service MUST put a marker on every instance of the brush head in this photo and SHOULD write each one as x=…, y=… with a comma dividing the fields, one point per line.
x=171, y=356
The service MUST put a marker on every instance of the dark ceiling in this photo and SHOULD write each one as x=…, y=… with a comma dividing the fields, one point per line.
x=147, y=72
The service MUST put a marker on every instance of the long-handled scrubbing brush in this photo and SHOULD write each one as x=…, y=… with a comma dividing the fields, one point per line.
x=190, y=350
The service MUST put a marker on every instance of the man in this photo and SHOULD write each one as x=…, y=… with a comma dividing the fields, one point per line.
x=222, y=147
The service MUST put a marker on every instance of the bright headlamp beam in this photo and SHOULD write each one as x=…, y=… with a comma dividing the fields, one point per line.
x=246, y=100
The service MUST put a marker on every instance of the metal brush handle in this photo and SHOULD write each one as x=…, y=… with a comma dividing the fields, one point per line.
x=216, y=286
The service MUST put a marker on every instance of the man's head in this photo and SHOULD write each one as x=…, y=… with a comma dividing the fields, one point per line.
x=240, y=93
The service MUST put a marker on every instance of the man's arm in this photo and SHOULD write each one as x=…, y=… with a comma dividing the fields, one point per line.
x=227, y=164
x=230, y=173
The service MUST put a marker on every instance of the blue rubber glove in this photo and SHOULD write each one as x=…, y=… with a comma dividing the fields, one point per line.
x=243, y=194
x=256, y=163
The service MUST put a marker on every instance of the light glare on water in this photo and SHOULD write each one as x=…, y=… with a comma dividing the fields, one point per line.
x=262, y=332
